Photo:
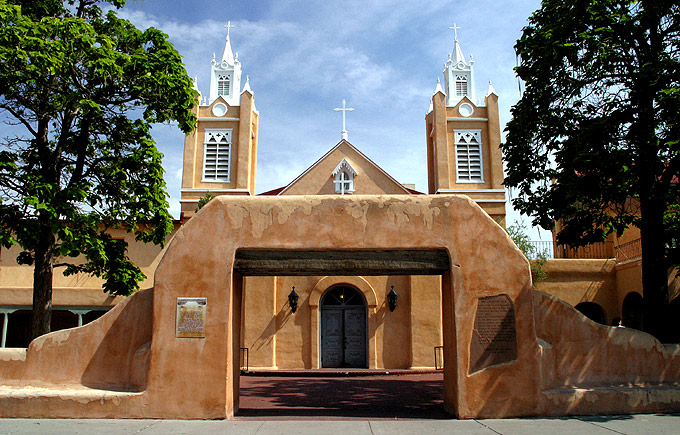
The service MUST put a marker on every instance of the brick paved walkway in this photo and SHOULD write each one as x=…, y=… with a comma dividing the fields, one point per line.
x=337, y=398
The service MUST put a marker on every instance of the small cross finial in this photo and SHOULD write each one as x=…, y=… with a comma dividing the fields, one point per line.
x=229, y=26
x=455, y=31
x=344, y=109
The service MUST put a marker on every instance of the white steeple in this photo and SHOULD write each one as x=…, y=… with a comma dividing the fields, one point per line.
x=225, y=77
x=459, y=78
x=491, y=90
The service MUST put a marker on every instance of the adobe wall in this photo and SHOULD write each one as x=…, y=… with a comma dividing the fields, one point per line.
x=618, y=370
x=509, y=351
x=199, y=263
x=81, y=289
x=583, y=280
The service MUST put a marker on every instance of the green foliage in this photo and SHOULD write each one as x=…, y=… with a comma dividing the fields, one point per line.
x=594, y=140
x=537, y=258
x=82, y=90
x=202, y=201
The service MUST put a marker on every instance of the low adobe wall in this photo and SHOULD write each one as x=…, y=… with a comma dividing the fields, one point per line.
x=583, y=280
x=496, y=366
x=96, y=371
x=588, y=368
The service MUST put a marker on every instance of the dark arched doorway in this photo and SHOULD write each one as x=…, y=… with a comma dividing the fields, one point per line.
x=343, y=328
x=593, y=311
x=632, y=310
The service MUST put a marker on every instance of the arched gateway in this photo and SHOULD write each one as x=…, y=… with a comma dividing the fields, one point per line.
x=174, y=352
x=352, y=235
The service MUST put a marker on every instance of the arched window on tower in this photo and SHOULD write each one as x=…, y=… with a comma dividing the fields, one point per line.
x=223, y=84
x=344, y=178
x=461, y=86
x=469, y=167
x=216, y=155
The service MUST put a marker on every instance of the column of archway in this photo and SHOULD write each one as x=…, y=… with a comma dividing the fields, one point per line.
x=371, y=302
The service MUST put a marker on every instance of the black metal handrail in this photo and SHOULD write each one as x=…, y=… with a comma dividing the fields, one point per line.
x=439, y=357
x=244, y=360
x=630, y=251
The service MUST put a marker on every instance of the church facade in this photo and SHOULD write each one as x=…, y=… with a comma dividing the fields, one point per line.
x=345, y=321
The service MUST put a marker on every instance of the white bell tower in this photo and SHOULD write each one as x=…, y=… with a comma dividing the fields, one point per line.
x=459, y=77
x=225, y=76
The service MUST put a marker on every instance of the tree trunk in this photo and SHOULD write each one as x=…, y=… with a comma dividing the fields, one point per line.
x=42, y=283
x=654, y=268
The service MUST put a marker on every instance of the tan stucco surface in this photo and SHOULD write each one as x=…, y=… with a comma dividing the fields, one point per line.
x=198, y=377
x=370, y=179
x=16, y=281
x=275, y=338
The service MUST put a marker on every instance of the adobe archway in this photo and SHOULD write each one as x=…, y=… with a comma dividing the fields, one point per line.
x=389, y=231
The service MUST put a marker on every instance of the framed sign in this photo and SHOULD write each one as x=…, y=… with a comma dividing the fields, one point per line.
x=190, y=321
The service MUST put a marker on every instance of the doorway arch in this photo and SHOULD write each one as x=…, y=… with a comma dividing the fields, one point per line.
x=343, y=333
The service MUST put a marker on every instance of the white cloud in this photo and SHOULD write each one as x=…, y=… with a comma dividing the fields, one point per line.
x=304, y=57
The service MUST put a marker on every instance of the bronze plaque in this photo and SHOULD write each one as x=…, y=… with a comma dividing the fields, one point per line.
x=494, y=339
x=190, y=320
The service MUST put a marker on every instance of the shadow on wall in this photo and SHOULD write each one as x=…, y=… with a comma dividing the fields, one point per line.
x=584, y=354
x=121, y=361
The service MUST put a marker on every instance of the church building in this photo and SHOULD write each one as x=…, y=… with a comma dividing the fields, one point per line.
x=295, y=322
x=338, y=321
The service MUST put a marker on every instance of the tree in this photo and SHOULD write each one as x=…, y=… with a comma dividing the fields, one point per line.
x=204, y=200
x=537, y=258
x=594, y=139
x=80, y=90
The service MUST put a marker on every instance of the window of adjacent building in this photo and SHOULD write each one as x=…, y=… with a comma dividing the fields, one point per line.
x=223, y=84
x=469, y=156
x=217, y=154
x=461, y=86
x=344, y=178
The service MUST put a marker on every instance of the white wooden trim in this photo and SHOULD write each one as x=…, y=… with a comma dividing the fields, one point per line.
x=189, y=190
x=219, y=119
x=439, y=191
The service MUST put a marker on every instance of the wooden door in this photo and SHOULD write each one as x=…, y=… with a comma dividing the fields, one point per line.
x=355, y=338
x=332, y=354
x=343, y=338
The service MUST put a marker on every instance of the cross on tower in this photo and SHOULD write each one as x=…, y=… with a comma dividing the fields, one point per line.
x=229, y=27
x=344, y=109
x=455, y=31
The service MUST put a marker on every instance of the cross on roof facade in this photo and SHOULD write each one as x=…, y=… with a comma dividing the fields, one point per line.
x=344, y=109
x=455, y=31
x=228, y=26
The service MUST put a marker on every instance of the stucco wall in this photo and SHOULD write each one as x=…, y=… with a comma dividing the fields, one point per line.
x=277, y=338
x=560, y=357
x=583, y=280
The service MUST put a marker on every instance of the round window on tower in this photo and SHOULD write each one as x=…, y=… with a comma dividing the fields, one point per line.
x=466, y=109
x=219, y=109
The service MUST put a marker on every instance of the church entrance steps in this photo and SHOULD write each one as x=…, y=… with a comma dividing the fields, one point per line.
x=612, y=400
x=336, y=373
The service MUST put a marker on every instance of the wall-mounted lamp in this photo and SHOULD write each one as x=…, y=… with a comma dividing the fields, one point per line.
x=293, y=300
x=392, y=299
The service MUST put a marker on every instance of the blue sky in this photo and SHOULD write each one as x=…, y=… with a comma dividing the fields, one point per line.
x=304, y=57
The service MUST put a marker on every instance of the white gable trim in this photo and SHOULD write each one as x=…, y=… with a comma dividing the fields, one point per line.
x=346, y=164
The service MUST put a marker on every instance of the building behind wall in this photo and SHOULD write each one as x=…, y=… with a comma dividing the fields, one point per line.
x=340, y=320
